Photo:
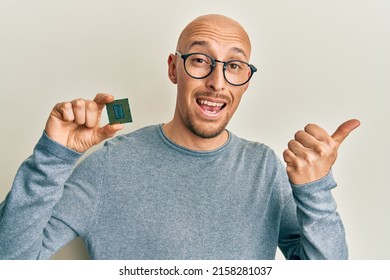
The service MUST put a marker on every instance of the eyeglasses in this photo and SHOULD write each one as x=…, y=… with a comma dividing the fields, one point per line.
x=200, y=65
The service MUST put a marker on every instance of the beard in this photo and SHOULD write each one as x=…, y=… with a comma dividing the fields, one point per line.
x=205, y=131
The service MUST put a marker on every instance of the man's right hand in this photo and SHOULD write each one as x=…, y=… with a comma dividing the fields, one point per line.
x=76, y=124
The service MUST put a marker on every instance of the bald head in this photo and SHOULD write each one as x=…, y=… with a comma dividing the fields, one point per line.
x=214, y=28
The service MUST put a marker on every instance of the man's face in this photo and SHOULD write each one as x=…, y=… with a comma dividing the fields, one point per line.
x=205, y=106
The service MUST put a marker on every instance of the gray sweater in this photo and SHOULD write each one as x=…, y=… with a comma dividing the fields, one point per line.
x=143, y=197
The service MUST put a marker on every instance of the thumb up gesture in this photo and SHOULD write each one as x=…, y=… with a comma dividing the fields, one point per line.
x=312, y=152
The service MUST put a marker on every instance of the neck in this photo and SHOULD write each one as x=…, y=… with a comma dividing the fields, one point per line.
x=182, y=136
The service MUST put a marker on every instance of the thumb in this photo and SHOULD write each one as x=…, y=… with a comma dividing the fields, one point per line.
x=108, y=131
x=102, y=99
x=344, y=129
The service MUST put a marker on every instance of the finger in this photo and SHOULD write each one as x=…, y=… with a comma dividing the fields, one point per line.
x=317, y=132
x=289, y=157
x=108, y=131
x=297, y=148
x=78, y=106
x=306, y=139
x=102, y=99
x=91, y=114
x=64, y=111
x=344, y=130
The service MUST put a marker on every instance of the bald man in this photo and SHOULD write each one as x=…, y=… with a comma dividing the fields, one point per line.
x=187, y=189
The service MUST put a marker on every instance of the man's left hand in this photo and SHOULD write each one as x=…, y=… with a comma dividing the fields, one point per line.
x=312, y=153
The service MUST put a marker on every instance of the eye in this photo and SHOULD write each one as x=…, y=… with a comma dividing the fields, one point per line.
x=199, y=60
x=235, y=66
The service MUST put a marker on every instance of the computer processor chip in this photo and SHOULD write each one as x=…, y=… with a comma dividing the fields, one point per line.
x=119, y=111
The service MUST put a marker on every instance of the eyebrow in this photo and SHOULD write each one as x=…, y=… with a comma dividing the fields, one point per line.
x=239, y=50
x=199, y=43
x=207, y=44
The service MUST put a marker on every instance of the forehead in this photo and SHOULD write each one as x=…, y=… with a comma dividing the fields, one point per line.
x=222, y=34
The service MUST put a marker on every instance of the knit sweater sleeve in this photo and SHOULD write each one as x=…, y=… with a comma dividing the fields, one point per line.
x=319, y=233
x=27, y=228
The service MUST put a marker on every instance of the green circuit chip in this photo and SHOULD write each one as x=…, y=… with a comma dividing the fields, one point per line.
x=119, y=111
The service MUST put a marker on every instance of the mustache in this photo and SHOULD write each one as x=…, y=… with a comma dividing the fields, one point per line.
x=215, y=95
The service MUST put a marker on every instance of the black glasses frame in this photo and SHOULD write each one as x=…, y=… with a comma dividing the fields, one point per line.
x=212, y=66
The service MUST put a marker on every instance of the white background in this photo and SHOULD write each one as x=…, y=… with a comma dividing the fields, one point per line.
x=319, y=62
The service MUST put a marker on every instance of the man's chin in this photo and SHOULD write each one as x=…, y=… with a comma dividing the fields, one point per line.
x=206, y=132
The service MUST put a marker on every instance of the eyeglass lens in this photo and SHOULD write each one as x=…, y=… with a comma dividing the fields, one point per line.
x=200, y=66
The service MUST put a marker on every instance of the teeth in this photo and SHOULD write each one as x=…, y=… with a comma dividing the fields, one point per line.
x=211, y=104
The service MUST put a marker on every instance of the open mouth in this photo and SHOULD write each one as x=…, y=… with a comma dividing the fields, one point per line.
x=210, y=108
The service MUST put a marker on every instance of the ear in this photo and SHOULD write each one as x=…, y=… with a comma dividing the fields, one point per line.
x=172, y=68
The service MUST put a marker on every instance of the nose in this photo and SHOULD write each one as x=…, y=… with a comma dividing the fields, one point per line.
x=216, y=80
